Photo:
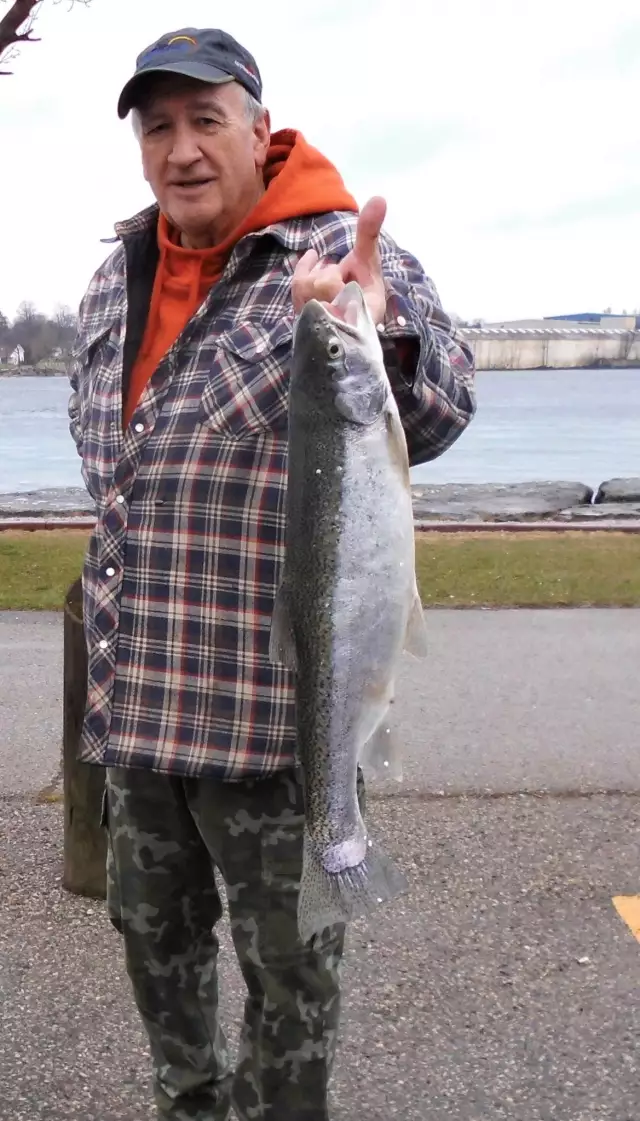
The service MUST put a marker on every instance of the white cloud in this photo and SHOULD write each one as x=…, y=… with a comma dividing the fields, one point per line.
x=485, y=125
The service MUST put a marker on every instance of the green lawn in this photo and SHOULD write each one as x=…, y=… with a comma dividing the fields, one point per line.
x=454, y=570
x=529, y=569
x=37, y=568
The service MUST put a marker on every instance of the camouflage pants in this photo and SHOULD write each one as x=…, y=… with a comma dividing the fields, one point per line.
x=166, y=835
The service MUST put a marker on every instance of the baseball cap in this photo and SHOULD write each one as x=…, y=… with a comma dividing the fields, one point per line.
x=209, y=55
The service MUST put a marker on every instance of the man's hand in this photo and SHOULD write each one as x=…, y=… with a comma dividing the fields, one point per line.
x=315, y=280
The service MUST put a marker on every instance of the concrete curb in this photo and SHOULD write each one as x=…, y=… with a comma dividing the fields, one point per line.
x=35, y=524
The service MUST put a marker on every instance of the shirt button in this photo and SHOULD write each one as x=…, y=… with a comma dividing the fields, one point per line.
x=110, y=571
x=103, y=644
x=381, y=328
x=139, y=427
x=120, y=499
x=401, y=321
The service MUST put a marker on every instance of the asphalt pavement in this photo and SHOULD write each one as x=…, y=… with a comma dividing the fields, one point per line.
x=503, y=985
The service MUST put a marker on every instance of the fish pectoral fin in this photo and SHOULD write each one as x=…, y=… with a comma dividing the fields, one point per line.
x=380, y=755
x=282, y=646
x=330, y=898
x=416, y=640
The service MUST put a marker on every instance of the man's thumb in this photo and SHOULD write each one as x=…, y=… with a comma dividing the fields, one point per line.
x=370, y=223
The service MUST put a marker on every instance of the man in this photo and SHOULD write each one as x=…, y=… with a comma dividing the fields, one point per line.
x=179, y=412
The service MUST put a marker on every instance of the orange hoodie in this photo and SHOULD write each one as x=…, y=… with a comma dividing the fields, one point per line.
x=298, y=180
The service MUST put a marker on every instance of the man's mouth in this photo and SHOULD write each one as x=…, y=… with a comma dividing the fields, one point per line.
x=191, y=184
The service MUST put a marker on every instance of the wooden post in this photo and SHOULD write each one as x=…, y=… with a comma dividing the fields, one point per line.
x=85, y=842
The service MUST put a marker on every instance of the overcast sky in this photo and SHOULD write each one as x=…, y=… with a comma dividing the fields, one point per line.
x=503, y=134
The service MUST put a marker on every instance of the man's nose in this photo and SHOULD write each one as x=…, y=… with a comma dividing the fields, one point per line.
x=185, y=148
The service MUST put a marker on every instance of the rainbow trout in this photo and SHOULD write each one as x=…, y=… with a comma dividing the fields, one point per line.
x=348, y=604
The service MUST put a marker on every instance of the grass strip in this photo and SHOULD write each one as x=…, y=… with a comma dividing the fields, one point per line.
x=571, y=569
x=37, y=568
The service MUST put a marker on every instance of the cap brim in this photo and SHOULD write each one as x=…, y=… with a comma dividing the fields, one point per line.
x=128, y=97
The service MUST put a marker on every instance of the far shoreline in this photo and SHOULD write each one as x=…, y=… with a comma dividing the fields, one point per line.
x=32, y=372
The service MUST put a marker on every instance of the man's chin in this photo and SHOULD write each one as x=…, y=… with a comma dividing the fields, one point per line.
x=195, y=223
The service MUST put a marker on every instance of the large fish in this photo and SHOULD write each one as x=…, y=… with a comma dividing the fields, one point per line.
x=348, y=604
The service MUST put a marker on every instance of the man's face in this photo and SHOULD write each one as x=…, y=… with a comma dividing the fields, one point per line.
x=202, y=155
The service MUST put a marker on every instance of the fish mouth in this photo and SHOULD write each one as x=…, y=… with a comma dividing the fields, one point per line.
x=350, y=310
x=347, y=314
x=337, y=319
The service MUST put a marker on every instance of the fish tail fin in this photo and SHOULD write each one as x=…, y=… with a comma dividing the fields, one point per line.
x=329, y=898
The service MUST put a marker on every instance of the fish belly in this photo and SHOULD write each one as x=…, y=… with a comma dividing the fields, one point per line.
x=357, y=591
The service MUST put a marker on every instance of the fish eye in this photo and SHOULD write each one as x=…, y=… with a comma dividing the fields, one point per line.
x=334, y=349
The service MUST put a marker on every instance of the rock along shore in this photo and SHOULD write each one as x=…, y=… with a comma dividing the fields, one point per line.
x=614, y=500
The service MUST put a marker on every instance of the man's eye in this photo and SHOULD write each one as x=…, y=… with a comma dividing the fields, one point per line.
x=153, y=130
x=207, y=121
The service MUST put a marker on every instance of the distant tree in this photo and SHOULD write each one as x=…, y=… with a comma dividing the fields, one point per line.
x=25, y=329
x=40, y=336
x=5, y=337
x=66, y=324
x=16, y=26
x=26, y=313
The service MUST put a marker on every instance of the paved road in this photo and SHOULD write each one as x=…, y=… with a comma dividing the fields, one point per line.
x=508, y=701
x=504, y=985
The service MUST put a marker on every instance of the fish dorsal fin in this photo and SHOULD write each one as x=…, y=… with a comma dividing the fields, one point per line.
x=282, y=645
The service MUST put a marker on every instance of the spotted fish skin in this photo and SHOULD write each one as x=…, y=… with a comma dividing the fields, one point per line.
x=348, y=604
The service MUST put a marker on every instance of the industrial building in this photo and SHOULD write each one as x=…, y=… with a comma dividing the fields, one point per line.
x=607, y=320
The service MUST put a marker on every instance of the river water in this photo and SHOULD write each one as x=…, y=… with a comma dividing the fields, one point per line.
x=579, y=425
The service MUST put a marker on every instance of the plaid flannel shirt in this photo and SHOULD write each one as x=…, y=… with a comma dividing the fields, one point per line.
x=185, y=557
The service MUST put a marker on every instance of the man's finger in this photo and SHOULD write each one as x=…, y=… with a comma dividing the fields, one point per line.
x=307, y=262
x=370, y=223
x=300, y=281
x=353, y=268
x=323, y=285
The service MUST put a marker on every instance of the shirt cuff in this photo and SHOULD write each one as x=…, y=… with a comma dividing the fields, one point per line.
x=401, y=330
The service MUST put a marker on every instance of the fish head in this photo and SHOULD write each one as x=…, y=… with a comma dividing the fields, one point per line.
x=337, y=358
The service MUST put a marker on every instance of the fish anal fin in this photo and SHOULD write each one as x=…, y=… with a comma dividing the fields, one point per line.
x=416, y=640
x=398, y=445
x=380, y=755
x=282, y=646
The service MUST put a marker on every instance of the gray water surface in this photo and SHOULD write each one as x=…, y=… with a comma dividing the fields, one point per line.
x=581, y=425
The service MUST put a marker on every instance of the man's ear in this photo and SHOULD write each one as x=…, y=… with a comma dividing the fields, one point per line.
x=262, y=133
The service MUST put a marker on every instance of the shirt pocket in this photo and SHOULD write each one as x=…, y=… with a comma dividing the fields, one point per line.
x=247, y=390
x=95, y=356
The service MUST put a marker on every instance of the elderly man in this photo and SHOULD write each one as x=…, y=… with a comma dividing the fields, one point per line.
x=179, y=413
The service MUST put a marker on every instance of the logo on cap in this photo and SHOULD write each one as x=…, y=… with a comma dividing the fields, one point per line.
x=169, y=47
x=246, y=69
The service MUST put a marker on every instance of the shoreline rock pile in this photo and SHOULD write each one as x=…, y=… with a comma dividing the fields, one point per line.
x=614, y=500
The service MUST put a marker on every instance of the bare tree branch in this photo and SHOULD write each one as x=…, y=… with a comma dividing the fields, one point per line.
x=17, y=24
x=12, y=29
